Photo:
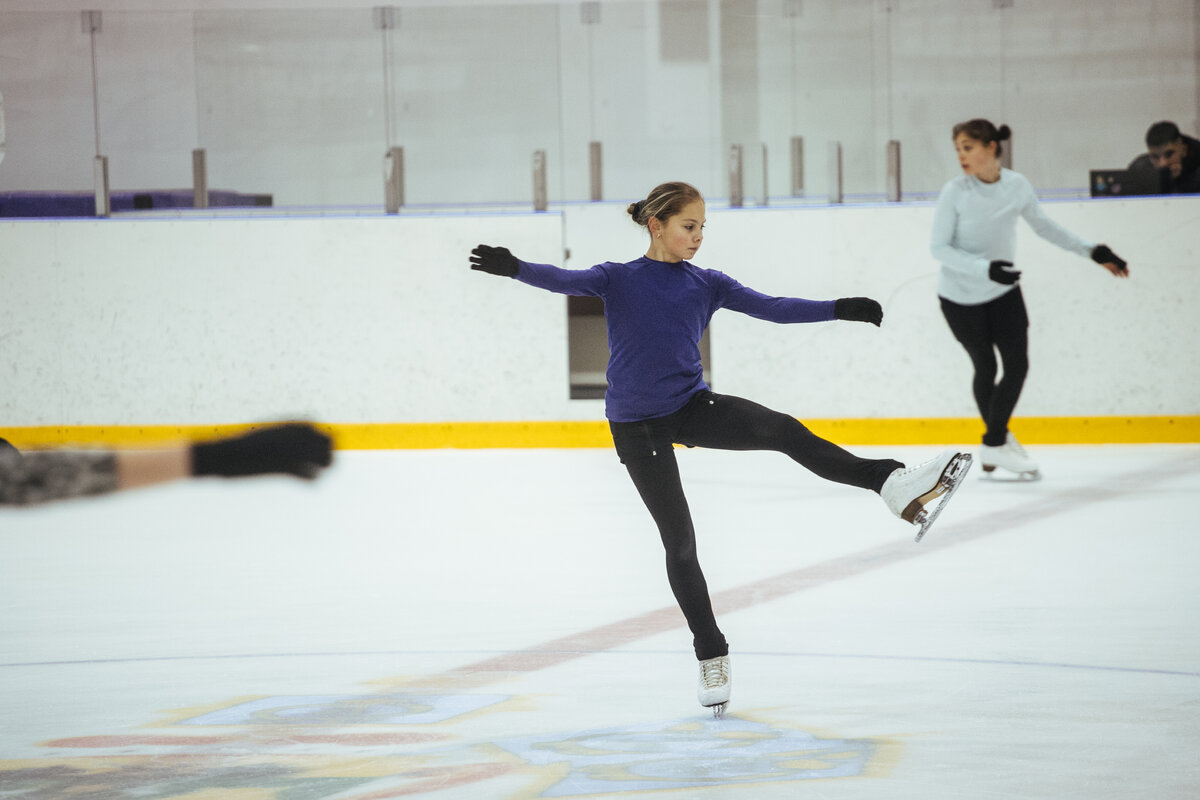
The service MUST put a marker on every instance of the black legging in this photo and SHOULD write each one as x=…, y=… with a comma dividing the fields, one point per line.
x=1000, y=325
x=720, y=422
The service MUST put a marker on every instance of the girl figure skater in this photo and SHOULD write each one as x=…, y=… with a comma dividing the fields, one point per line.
x=656, y=308
x=974, y=238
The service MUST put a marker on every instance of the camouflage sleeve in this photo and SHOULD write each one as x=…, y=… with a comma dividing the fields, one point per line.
x=43, y=476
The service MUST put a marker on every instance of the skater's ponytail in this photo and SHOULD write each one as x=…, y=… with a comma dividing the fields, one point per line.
x=982, y=130
x=665, y=201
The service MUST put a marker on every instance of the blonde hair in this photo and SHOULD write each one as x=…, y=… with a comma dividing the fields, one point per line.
x=664, y=201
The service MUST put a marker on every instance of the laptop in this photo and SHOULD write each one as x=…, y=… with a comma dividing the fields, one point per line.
x=1122, y=182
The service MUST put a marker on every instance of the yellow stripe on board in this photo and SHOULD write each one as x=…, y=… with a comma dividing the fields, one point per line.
x=567, y=434
x=1030, y=430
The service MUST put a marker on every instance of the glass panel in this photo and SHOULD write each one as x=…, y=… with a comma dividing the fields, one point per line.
x=640, y=81
x=477, y=93
x=291, y=104
x=299, y=104
x=147, y=97
x=817, y=75
x=46, y=78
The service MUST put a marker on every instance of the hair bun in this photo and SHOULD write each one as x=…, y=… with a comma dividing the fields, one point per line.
x=1004, y=133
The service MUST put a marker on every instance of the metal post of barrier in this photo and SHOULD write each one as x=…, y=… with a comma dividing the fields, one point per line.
x=199, y=178
x=893, y=171
x=766, y=193
x=835, y=172
x=1006, y=154
x=92, y=22
x=100, y=181
x=797, y=166
x=393, y=179
x=393, y=158
x=595, y=170
x=539, y=180
x=736, y=184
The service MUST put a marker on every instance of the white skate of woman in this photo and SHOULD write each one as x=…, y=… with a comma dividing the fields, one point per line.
x=1009, y=456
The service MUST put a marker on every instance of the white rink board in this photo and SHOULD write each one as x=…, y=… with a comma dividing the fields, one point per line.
x=1098, y=345
x=211, y=321
x=202, y=320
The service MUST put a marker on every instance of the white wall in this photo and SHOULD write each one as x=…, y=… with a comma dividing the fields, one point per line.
x=377, y=319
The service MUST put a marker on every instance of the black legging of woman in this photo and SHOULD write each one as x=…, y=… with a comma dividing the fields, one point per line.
x=720, y=422
x=1000, y=325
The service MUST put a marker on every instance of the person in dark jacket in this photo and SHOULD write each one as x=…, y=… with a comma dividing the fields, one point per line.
x=1171, y=161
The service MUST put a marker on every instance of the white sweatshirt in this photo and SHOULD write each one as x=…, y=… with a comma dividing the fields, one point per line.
x=976, y=223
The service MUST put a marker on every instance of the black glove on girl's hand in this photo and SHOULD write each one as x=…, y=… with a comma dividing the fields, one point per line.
x=1002, y=272
x=293, y=449
x=858, y=309
x=1102, y=255
x=494, y=260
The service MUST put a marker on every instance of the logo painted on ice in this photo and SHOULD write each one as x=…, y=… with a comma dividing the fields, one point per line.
x=313, y=746
x=396, y=709
x=688, y=755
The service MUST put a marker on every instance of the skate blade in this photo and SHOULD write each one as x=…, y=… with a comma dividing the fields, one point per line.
x=993, y=473
x=913, y=510
x=719, y=709
x=951, y=479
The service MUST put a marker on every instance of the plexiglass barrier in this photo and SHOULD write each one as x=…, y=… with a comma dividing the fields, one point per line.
x=304, y=106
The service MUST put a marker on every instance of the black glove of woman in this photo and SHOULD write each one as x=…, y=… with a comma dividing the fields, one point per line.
x=1102, y=255
x=1002, y=272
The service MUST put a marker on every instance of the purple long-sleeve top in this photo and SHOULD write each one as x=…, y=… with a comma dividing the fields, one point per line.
x=656, y=312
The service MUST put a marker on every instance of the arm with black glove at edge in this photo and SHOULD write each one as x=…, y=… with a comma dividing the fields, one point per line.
x=290, y=449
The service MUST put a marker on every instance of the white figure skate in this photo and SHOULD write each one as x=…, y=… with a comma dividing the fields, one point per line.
x=714, y=684
x=910, y=492
x=1009, y=456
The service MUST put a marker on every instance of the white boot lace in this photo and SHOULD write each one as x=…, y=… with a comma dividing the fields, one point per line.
x=715, y=672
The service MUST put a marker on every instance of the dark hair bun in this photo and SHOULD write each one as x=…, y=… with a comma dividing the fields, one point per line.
x=1004, y=133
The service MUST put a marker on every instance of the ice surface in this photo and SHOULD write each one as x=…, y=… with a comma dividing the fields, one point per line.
x=497, y=624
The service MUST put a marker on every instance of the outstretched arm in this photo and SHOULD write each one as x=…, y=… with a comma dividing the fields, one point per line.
x=499, y=261
x=737, y=297
x=1054, y=233
x=43, y=476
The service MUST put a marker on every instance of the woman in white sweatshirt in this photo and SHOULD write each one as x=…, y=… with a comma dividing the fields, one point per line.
x=974, y=238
